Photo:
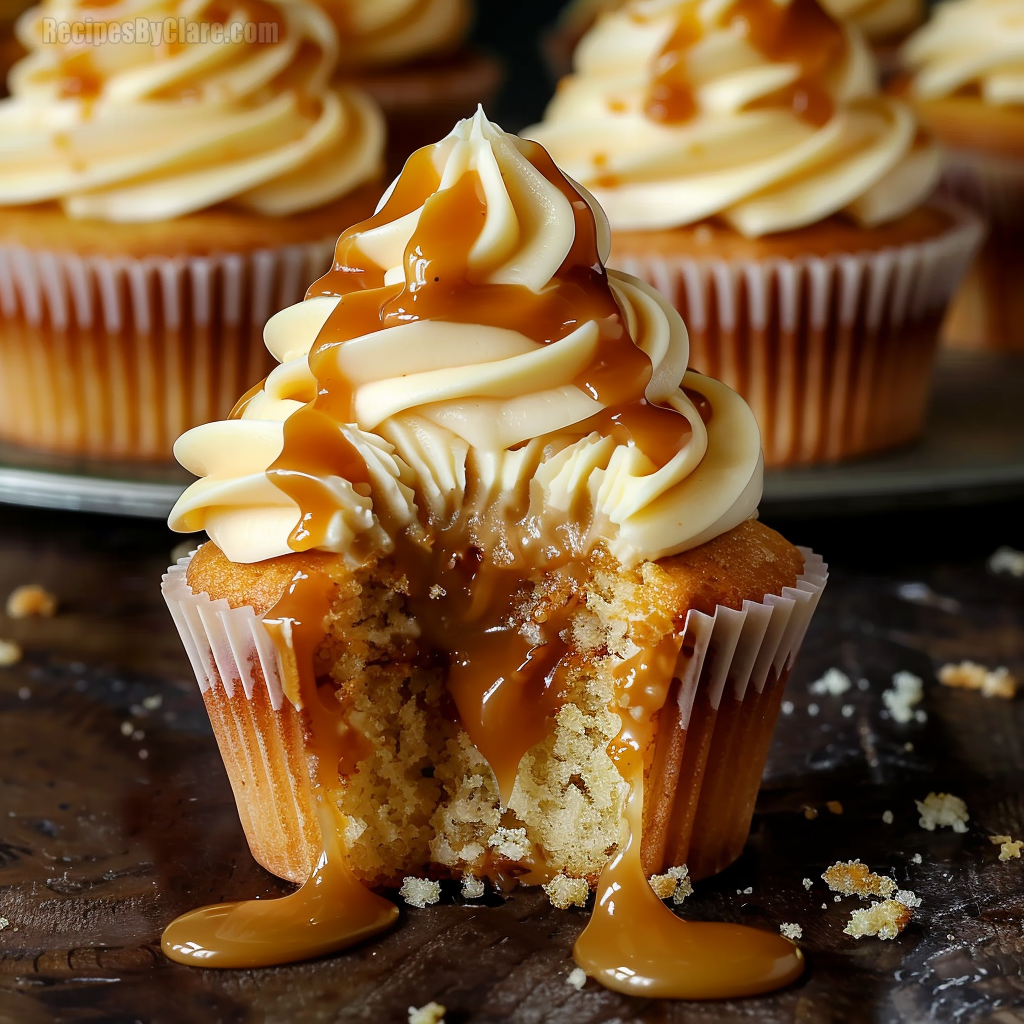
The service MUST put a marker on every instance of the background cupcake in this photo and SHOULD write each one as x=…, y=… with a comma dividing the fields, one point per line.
x=161, y=198
x=967, y=86
x=751, y=169
x=412, y=57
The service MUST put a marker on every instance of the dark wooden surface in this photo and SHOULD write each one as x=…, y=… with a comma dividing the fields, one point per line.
x=101, y=845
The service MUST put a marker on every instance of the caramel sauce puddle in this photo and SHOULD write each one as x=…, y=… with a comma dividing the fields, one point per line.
x=505, y=687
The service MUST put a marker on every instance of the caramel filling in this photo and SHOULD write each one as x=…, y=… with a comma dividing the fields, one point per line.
x=798, y=33
x=466, y=583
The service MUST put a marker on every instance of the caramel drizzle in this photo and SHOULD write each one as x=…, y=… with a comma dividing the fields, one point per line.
x=332, y=909
x=633, y=943
x=797, y=33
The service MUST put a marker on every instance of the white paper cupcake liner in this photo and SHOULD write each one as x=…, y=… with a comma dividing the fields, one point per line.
x=736, y=659
x=833, y=354
x=118, y=356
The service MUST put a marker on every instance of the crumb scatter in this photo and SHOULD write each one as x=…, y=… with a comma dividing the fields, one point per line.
x=564, y=891
x=10, y=653
x=420, y=892
x=854, y=878
x=1008, y=560
x=969, y=675
x=834, y=683
x=907, y=691
x=942, y=809
x=791, y=931
x=884, y=919
x=577, y=978
x=431, y=1013
x=31, y=600
x=1009, y=849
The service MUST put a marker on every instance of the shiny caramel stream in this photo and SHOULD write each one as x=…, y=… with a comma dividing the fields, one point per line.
x=506, y=689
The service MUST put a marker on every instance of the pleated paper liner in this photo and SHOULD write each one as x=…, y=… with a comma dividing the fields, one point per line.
x=834, y=354
x=710, y=751
x=116, y=357
x=988, y=310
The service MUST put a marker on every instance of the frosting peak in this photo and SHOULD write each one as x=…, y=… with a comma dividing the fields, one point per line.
x=765, y=113
x=469, y=361
x=179, y=105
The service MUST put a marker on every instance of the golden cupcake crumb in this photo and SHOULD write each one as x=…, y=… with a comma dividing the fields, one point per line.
x=810, y=813
x=432, y=1013
x=420, y=892
x=834, y=806
x=969, y=675
x=674, y=884
x=10, y=653
x=472, y=887
x=1009, y=849
x=564, y=891
x=852, y=877
x=884, y=919
x=31, y=599
x=943, y=809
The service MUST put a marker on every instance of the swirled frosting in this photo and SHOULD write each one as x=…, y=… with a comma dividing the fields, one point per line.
x=468, y=359
x=970, y=45
x=135, y=131
x=384, y=32
x=764, y=113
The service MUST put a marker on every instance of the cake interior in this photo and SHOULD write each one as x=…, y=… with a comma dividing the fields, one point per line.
x=423, y=799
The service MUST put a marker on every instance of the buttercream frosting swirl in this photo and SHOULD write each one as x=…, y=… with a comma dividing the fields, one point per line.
x=764, y=113
x=970, y=45
x=469, y=357
x=133, y=131
x=386, y=32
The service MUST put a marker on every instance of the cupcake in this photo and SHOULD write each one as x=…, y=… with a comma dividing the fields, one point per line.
x=752, y=171
x=965, y=85
x=485, y=596
x=159, y=203
x=413, y=59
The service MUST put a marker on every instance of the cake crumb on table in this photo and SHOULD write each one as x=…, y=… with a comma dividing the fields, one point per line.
x=916, y=859
x=834, y=806
x=810, y=813
x=674, y=883
x=943, y=809
x=1009, y=849
x=432, y=1013
x=10, y=653
x=887, y=817
x=577, y=978
x=969, y=675
x=852, y=877
x=791, y=931
x=808, y=882
x=564, y=891
x=1008, y=560
x=907, y=690
x=31, y=599
x=884, y=919
x=420, y=892
x=472, y=887
x=833, y=682
x=907, y=898
x=4, y=923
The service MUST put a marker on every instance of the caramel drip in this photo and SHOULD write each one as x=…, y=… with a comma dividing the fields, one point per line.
x=633, y=943
x=798, y=33
x=332, y=909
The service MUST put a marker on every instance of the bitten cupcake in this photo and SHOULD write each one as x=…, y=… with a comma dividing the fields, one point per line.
x=412, y=57
x=486, y=597
x=966, y=84
x=752, y=171
x=161, y=198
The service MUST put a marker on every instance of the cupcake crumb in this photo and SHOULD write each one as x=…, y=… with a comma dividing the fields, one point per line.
x=969, y=675
x=431, y=1013
x=916, y=859
x=31, y=599
x=884, y=919
x=420, y=892
x=564, y=891
x=674, y=884
x=472, y=887
x=907, y=690
x=436, y=592
x=4, y=923
x=791, y=931
x=787, y=707
x=834, y=683
x=510, y=842
x=1008, y=560
x=1009, y=849
x=888, y=817
x=810, y=813
x=834, y=806
x=907, y=898
x=852, y=877
x=10, y=653
x=942, y=809
x=808, y=882
x=577, y=978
